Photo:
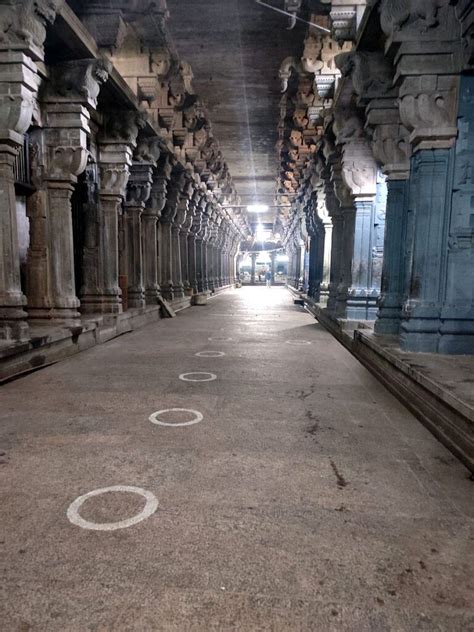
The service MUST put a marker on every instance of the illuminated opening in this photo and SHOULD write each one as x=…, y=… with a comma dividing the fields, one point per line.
x=257, y=208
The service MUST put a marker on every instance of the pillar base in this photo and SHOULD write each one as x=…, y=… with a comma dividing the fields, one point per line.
x=14, y=330
x=151, y=295
x=420, y=334
x=66, y=316
x=352, y=307
x=178, y=291
x=167, y=291
x=388, y=320
x=101, y=304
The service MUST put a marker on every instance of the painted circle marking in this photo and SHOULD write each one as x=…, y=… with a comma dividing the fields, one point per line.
x=209, y=354
x=186, y=376
x=219, y=339
x=150, y=507
x=298, y=342
x=197, y=417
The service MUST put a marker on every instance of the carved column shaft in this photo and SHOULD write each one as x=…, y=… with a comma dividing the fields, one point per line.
x=101, y=292
x=253, y=258
x=65, y=139
x=151, y=254
x=12, y=300
x=138, y=192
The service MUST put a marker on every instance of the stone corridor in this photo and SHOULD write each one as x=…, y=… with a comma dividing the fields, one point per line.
x=307, y=498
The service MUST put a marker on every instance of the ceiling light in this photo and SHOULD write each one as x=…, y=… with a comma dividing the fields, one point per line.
x=257, y=208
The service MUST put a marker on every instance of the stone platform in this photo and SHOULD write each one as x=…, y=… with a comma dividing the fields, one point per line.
x=438, y=389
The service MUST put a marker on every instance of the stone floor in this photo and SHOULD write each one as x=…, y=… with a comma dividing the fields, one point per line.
x=307, y=498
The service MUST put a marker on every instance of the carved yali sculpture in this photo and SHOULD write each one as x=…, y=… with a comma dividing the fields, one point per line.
x=24, y=22
x=78, y=80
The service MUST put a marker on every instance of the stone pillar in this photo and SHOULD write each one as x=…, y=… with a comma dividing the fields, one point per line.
x=100, y=292
x=429, y=57
x=19, y=84
x=67, y=127
x=253, y=257
x=390, y=146
x=273, y=256
x=150, y=217
x=138, y=192
x=457, y=312
x=13, y=324
x=188, y=251
x=178, y=287
x=359, y=173
x=171, y=284
x=201, y=245
x=336, y=256
x=164, y=239
x=195, y=247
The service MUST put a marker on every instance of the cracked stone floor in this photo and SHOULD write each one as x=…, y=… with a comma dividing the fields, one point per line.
x=307, y=498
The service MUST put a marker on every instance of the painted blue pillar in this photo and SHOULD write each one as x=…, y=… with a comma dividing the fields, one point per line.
x=430, y=199
x=457, y=313
x=393, y=271
x=361, y=298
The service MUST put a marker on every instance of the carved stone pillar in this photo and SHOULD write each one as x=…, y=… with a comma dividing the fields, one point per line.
x=100, y=292
x=391, y=149
x=342, y=211
x=429, y=56
x=253, y=258
x=12, y=301
x=21, y=45
x=336, y=253
x=273, y=256
x=138, y=192
x=171, y=285
x=205, y=233
x=195, y=247
x=327, y=243
x=359, y=172
x=65, y=138
x=150, y=217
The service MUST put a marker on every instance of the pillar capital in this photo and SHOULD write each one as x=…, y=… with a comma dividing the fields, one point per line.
x=138, y=186
x=77, y=81
x=23, y=25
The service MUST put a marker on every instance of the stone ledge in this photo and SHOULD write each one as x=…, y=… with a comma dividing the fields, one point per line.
x=432, y=387
x=50, y=344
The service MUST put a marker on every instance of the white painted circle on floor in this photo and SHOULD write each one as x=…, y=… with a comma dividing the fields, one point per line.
x=188, y=377
x=209, y=354
x=298, y=342
x=197, y=417
x=149, y=509
x=219, y=339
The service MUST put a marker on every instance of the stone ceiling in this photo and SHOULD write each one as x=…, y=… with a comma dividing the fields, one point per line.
x=235, y=48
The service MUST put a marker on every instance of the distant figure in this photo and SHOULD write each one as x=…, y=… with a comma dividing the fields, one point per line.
x=268, y=278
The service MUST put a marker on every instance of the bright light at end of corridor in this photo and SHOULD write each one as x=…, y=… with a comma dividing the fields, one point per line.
x=257, y=208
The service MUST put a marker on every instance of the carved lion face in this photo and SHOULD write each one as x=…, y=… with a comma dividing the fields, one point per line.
x=46, y=9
